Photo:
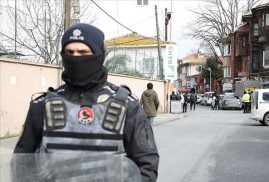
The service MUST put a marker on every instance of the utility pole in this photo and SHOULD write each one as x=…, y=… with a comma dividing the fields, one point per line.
x=15, y=29
x=67, y=9
x=159, y=46
x=167, y=18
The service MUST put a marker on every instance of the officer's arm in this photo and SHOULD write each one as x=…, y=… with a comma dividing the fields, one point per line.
x=31, y=133
x=140, y=144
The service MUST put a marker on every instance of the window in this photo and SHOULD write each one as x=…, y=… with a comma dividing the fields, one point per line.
x=227, y=71
x=255, y=60
x=255, y=29
x=227, y=49
x=266, y=58
x=265, y=96
x=265, y=19
x=142, y=2
x=148, y=64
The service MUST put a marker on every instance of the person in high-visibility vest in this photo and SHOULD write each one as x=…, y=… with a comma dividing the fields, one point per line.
x=246, y=100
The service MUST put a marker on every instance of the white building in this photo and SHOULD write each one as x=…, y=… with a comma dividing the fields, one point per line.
x=189, y=70
x=142, y=51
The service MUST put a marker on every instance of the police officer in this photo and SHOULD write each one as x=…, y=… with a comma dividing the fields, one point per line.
x=246, y=100
x=87, y=113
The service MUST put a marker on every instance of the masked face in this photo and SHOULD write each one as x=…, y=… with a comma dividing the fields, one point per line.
x=80, y=70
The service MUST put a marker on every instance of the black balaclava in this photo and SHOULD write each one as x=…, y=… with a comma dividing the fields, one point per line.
x=84, y=72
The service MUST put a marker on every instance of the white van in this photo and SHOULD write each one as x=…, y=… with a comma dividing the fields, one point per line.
x=260, y=106
x=207, y=98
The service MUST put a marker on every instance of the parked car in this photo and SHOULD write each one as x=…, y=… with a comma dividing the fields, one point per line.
x=207, y=98
x=199, y=98
x=230, y=101
x=260, y=106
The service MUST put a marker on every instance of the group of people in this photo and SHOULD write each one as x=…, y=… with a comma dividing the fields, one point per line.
x=184, y=99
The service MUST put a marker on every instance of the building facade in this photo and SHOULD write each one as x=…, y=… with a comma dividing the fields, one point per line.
x=142, y=51
x=257, y=20
x=189, y=75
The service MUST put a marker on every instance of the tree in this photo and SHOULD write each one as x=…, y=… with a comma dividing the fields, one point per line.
x=215, y=20
x=40, y=25
x=216, y=70
x=117, y=64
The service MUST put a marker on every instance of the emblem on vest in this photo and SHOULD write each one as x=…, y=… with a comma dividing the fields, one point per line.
x=102, y=98
x=85, y=115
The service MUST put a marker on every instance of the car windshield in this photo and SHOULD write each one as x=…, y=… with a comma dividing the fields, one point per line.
x=210, y=95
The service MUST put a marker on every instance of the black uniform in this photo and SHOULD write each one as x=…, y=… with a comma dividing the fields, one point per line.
x=138, y=139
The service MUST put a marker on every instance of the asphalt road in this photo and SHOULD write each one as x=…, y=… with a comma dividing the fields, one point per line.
x=209, y=145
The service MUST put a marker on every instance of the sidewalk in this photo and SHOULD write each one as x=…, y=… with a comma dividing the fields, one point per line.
x=7, y=145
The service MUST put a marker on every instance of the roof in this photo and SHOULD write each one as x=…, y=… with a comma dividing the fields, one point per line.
x=133, y=40
x=194, y=58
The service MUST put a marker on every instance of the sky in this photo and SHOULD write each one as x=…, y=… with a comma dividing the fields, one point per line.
x=142, y=20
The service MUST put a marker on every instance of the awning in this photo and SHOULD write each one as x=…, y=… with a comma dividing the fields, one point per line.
x=183, y=90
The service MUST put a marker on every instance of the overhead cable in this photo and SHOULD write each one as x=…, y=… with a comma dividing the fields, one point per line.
x=118, y=21
x=112, y=17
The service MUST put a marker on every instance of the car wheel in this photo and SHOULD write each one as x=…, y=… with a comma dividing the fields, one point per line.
x=266, y=119
x=261, y=121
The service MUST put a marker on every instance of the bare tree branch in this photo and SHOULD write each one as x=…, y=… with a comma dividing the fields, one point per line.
x=40, y=27
x=215, y=20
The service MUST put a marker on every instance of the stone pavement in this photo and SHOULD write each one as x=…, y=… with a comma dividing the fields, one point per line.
x=7, y=145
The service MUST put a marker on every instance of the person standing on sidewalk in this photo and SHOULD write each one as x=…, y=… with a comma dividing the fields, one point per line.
x=193, y=99
x=88, y=113
x=185, y=102
x=173, y=96
x=150, y=102
x=181, y=101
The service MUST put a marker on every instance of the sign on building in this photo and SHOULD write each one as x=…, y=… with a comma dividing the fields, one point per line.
x=170, y=62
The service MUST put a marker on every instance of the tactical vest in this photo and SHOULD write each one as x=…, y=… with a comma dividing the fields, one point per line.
x=70, y=127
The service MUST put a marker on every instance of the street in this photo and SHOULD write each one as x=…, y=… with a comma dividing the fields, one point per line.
x=209, y=145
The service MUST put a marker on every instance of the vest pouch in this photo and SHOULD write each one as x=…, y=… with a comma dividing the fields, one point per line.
x=55, y=115
x=114, y=116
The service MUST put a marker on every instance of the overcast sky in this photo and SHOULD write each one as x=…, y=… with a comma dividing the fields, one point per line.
x=142, y=20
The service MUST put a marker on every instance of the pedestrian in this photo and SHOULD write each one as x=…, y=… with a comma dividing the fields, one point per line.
x=193, y=99
x=88, y=113
x=185, y=102
x=150, y=102
x=181, y=99
x=216, y=101
x=246, y=100
x=173, y=96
